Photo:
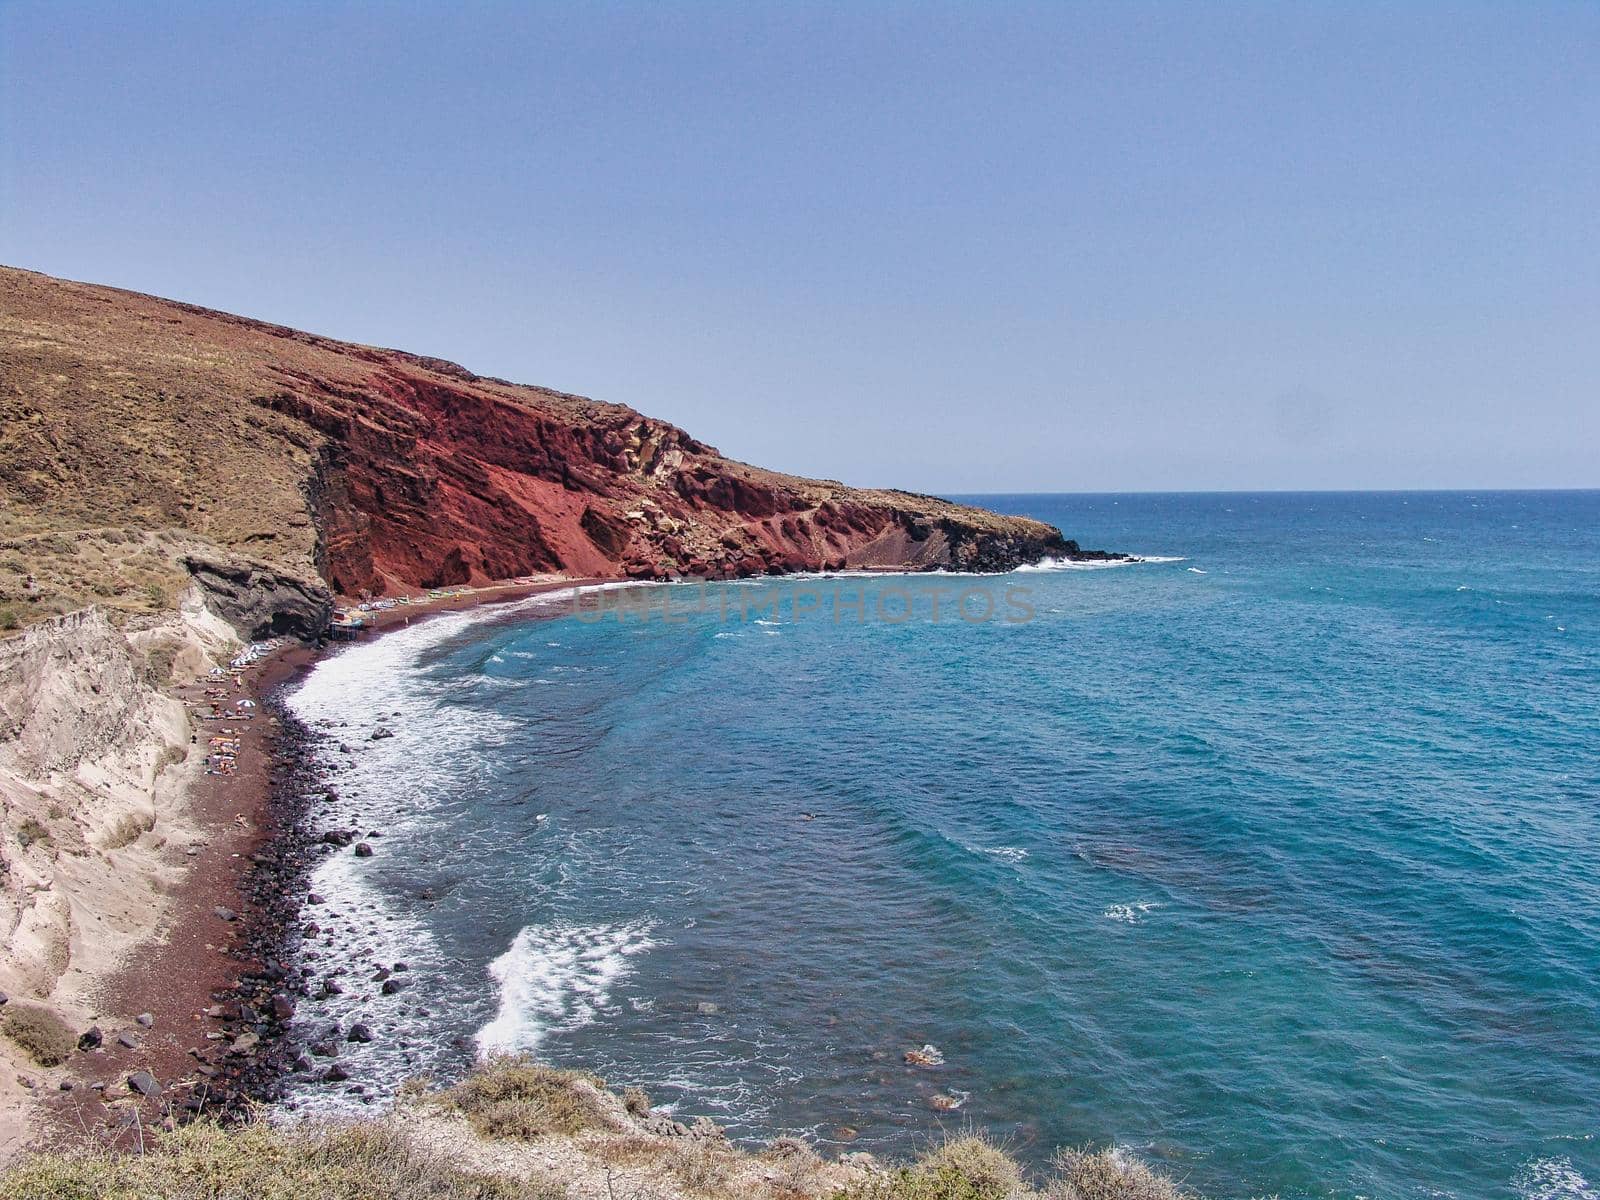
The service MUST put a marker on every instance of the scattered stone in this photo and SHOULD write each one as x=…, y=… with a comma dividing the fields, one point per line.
x=335, y=1074
x=359, y=1032
x=91, y=1038
x=244, y=1043
x=338, y=837
x=4, y=999
x=66, y=1085
x=313, y=898
x=391, y=986
x=363, y=850
x=145, y=1019
x=325, y=1050
x=927, y=1056
x=145, y=1084
x=282, y=1007
x=127, y=1041
x=940, y=1102
x=380, y=733
x=225, y=914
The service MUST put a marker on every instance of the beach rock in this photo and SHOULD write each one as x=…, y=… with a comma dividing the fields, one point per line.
x=363, y=850
x=391, y=986
x=91, y=1038
x=359, y=1032
x=335, y=1074
x=380, y=733
x=338, y=837
x=145, y=1084
x=313, y=898
x=282, y=1007
x=325, y=1050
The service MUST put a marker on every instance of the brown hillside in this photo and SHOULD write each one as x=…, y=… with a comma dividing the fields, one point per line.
x=142, y=440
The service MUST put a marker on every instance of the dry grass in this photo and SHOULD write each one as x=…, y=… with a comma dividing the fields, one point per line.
x=362, y=1160
x=1107, y=1175
x=46, y=1038
x=973, y=1168
x=516, y=1098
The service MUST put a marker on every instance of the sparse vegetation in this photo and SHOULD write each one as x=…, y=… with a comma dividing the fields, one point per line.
x=516, y=1098
x=973, y=1168
x=41, y=1034
x=583, y=1149
x=1107, y=1175
x=363, y=1160
x=30, y=831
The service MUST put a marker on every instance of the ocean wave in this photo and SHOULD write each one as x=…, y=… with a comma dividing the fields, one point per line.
x=1010, y=854
x=1129, y=914
x=558, y=977
x=1068, y=564
x=1553, y=1179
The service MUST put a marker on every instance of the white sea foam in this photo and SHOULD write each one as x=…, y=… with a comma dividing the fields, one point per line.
x=1010, y=854
x=558, y=977
x=1068, y=564
x=1194, y=570
x=1129, y=914
x=1553, y=1179
x=394, y=785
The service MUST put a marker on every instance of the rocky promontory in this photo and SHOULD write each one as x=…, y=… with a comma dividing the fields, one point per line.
x=145, y=443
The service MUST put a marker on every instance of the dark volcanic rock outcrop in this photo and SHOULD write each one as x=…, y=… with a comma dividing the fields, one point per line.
x=143, y=441
x=259, y=601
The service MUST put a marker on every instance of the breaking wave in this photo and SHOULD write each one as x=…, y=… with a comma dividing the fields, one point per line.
x=558, y=977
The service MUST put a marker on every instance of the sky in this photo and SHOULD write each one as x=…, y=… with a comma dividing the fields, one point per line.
x=950, y=247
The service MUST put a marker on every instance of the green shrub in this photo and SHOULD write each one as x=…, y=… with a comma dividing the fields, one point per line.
x=9, y=619
x=44, y=1036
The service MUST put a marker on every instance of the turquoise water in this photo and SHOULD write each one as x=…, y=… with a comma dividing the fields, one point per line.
x=1277, y=864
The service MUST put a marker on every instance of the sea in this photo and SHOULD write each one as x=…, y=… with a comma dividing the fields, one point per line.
x=1272, y=860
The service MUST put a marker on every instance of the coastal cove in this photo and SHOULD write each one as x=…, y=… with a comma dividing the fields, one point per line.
x=758, y=863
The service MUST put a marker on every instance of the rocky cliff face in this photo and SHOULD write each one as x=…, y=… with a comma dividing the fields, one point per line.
x=143, y=441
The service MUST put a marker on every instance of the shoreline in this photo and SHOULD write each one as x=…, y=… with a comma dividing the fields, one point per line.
x=212, y=982
x=219, y=997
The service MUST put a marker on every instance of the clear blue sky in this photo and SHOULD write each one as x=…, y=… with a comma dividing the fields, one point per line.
x=950, y=247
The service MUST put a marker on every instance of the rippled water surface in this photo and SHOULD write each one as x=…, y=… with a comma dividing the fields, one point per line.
x=1277, y=862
